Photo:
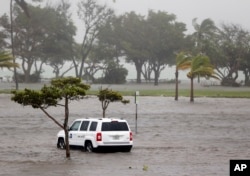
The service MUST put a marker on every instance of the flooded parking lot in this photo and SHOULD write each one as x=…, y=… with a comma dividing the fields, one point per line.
x=173, y=139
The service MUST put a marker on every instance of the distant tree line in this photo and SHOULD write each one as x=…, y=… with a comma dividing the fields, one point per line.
x=150, y=42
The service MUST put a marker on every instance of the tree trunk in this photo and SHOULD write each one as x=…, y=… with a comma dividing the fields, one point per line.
x=65, y=126
x=81, y=68
x=67, y=142
x=103, y=113
x=104, y=107
x=26, y=66
x=192, y=90
x=56, y=71
x=76, y=67
x=176, y=84
x=156, y=80
x=138, y=77
x=246, y=74
x=138, y=68
x=27, y=76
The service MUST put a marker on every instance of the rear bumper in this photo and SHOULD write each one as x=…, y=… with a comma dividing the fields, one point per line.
x=122, y=148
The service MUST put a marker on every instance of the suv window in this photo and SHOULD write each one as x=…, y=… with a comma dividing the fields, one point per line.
x=114, y=126
x=93, y=126
x=84, y=126
x=75, y=126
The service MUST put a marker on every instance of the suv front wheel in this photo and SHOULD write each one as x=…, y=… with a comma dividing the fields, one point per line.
x=61, y=143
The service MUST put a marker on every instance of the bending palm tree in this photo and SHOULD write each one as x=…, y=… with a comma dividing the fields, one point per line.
x=200, y=66
x=24, y=6
x=183, y=62
x=6, y=61
x=204, y=31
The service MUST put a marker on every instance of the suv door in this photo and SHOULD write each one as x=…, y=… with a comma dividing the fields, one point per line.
x=82, y=133
x=73, y=130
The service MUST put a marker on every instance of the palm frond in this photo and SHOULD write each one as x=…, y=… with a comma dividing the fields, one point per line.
x=24, y=6
x=6, y=60
x=202, y=67
x=183, y=61
x=195, y=24
x=200, y=60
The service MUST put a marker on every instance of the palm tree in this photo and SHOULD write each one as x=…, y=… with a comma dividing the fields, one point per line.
x=204, y=31
x=200, y=66
x=24, y=6
x=183, y=62
x=6, y=61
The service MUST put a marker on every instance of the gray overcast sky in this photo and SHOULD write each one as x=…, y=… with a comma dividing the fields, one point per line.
x=221, y=11
x=227, y=11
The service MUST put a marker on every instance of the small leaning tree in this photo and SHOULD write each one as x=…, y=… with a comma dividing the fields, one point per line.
x=106, y=96
x=59, y=93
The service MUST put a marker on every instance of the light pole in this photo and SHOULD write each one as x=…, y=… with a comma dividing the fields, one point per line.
x=136, y=109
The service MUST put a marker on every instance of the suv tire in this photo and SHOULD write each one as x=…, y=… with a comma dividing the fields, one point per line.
x=61, y=143
x=88, y=147
x=127, y=149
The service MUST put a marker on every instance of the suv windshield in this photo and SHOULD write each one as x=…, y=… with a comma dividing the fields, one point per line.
x=114, y=126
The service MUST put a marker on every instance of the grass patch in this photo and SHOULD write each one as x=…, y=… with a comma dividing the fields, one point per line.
x=186, y=93
x=215, y=93
x=222, y=93
x=5, y=91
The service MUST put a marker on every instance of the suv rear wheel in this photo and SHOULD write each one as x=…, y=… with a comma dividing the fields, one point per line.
x=127, y=149
x=88, y=146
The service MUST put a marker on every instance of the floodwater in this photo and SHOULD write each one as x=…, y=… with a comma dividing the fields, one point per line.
x=175, y=138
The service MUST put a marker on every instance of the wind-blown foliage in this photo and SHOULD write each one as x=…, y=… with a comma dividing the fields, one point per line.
x=133, y=40
x=235, y=44
x=183, y=62
x=165, y=36
x=93, y=17
x=67, y=89
x=6, y=61
x=45, y=37
x=149, y=42
x=203, y=33
x=200, y=66
x=107, y=96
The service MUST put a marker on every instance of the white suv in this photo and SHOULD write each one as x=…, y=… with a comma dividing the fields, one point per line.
x=93, y=134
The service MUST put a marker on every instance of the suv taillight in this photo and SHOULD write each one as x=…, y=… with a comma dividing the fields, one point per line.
x=99, y=136
x=131, y=136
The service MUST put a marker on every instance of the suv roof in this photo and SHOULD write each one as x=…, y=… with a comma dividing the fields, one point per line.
x=102, y=119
